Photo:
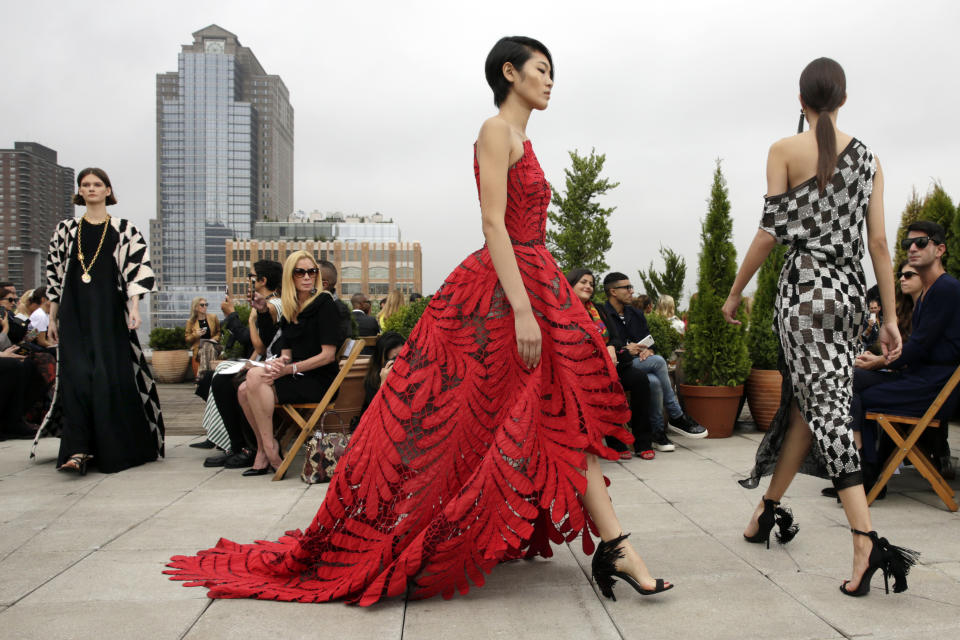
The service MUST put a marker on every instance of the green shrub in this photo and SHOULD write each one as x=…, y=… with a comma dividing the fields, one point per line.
x=761, y=340
x=715, y=351
x=666, y=339
x=167, y=339
x=404, y=320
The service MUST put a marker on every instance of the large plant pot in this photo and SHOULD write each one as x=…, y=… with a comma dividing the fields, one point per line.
x=713, y=407
x=170, y=366
x=763, y=395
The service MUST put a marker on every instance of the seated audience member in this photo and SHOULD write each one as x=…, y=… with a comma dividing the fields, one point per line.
x=910, y=289
x=633, y=380
x=393, y=303
x=202, y=333
x=667, y=308
x=385, y=353
x=872, y=319
x=223, y=419
x=643, y=303
x=16, y=326
x=328, y=274
x=415, y=296
x=40, y=316
x=367, y=324
x=311, y=332
x=630, y=326
x=928, y=358
x=14, y=376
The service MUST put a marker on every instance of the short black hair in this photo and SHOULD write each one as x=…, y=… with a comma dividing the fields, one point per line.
x=271, y=270
x=5, y=284
x=613, y=276
x=329, y=273
x=929, y=227
x=873, y=294
x=38, y=295
x=515, y=50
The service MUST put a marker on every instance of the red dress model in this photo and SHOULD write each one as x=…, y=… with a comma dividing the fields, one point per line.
x=465, y=458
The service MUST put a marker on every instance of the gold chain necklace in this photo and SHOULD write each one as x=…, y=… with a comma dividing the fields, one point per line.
x=85, y=277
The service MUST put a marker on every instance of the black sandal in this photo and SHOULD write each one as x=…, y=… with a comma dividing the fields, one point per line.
x=604, y=570
x=79, y=465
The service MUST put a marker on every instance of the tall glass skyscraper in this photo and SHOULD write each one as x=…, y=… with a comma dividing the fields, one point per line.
x=224, y=160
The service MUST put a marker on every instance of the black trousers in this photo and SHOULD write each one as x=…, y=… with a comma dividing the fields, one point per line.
x=638, y=385
x=224, y=389
x=13, y=391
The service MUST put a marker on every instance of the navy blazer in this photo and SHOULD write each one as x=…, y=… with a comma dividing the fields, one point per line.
x=935, y=338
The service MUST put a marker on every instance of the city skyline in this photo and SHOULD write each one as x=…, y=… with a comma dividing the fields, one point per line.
x=224, y=160
x=389, y=100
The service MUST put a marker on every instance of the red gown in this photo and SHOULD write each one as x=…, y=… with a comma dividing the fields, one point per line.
x=465, y=458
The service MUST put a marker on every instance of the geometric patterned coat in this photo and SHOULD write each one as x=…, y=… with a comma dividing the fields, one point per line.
x=135, y=278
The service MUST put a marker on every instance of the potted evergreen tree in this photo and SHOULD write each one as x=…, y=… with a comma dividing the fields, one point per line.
x=171, y=359
x=715, y=361
x=763, y=384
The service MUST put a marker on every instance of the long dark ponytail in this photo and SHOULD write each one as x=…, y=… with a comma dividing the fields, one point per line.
x=823, y=88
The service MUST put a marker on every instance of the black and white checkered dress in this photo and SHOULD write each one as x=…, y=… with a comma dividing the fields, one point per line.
x=820, y=305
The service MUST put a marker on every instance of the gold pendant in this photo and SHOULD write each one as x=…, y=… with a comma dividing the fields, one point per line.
x=86, y=278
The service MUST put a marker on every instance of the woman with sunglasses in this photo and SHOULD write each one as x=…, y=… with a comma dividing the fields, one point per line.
x=202, y=333
x=482, y=444
x=911, y=287
x=98, y=268
x=823, y=185
x=310, y=334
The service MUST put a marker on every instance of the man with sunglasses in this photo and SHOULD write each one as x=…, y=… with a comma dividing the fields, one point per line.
x=630, y=327
x=929, y=356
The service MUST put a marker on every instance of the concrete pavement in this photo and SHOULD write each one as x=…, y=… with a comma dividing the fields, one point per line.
x=82, y=557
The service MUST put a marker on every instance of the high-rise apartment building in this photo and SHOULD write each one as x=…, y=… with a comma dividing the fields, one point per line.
x=35, y=194
x=224, y=160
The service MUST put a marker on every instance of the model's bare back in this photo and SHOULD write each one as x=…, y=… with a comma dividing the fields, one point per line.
x=794, y=159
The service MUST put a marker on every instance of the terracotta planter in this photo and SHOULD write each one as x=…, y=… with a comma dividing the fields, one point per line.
x=763, y=395
x=713, y=407
x=170, y=366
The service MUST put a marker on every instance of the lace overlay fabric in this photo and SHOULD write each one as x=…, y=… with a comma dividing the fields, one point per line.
x=465, y=458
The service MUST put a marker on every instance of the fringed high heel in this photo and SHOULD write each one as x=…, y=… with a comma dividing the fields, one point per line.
x=774, y=514
x=892, y=560
x=604, y=570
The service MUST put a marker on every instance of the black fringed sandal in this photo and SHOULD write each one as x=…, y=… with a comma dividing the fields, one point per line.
x=604, y=570
x=890, y=559
x=774, y=514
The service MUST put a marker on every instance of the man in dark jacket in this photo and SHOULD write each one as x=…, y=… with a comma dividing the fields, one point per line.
x=928, y=359
x=630, y=326
x=367, y=324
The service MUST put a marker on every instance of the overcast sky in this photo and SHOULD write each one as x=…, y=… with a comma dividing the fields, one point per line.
x=388, y=98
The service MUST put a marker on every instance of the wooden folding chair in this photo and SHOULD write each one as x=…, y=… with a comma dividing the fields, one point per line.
x=897, y=428
x=350, y=349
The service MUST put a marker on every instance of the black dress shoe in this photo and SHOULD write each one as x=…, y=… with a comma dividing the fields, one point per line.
x=217, y=461
x=258, y=472
x=241, y=460
x=206, y=444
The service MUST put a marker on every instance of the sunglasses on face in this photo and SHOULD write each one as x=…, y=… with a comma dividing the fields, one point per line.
x=299, y=273
x=624, y=286
x=906, y=275
x=920, y=241
x=202, y=304
x=11, y=299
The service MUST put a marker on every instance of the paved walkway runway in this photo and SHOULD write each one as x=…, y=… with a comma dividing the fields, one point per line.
x=81, y=557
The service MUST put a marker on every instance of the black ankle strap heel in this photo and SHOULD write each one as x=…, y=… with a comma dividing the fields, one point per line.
x=774, y=514
x=604, y=570
x=888, y=558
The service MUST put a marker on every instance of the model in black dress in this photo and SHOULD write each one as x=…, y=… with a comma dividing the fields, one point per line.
x=101, y=385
